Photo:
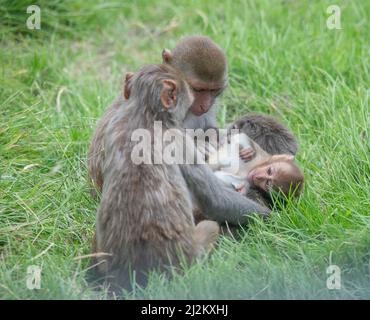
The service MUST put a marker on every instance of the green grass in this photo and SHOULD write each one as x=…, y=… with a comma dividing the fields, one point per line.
x=283, y=61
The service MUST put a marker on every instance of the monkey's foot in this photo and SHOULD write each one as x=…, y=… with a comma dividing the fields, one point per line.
x=206, y=234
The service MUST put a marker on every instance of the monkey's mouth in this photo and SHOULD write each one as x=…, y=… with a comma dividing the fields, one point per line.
x=198, y=112
x=250, y=177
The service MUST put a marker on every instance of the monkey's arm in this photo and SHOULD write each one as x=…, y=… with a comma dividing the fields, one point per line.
x=216, y=200
x=228, y=153
x=96, y=154
x=220, y=158
x=230, y=179
x=242, y=140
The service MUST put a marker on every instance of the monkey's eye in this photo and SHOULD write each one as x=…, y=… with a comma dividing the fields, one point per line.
x=197, y=89
x=269, y=171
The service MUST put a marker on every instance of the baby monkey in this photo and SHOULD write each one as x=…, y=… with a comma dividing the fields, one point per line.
x=259, y=169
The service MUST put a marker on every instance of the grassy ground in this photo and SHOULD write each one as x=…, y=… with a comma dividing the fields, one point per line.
x=56, y=82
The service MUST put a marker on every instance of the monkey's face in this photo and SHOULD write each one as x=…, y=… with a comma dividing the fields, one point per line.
x=204, y=65
x=204, y=98
x=279, y=173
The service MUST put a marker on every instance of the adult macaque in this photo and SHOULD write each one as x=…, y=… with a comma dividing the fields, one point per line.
x=204, y=65
x=146, y=211
x=96, y=154
x=259, y=169
x=145, y=220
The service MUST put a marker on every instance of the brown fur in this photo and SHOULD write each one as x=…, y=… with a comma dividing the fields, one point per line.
x=96, y=155
x=145, y=217
x=204, y=66
x=199, y=58
x=268, y=133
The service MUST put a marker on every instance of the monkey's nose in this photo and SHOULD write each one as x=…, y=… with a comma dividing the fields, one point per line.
x=204, y=108
x=258, y=177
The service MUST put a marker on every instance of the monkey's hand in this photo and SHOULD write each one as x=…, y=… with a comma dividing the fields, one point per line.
x=218, y=201
x=247, y=154
x=241, y=188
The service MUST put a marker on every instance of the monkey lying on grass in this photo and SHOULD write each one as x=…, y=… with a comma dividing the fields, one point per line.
x=242, y=164
x=259, y=169
x=251, y=171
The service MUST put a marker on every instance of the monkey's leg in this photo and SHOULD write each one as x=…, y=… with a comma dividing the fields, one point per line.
x=206, y=234
x=230, y=179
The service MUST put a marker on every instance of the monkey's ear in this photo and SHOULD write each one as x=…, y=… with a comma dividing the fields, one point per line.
x=166, y=56
x=126, y=89
x=168, y=93
x=128, y=76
